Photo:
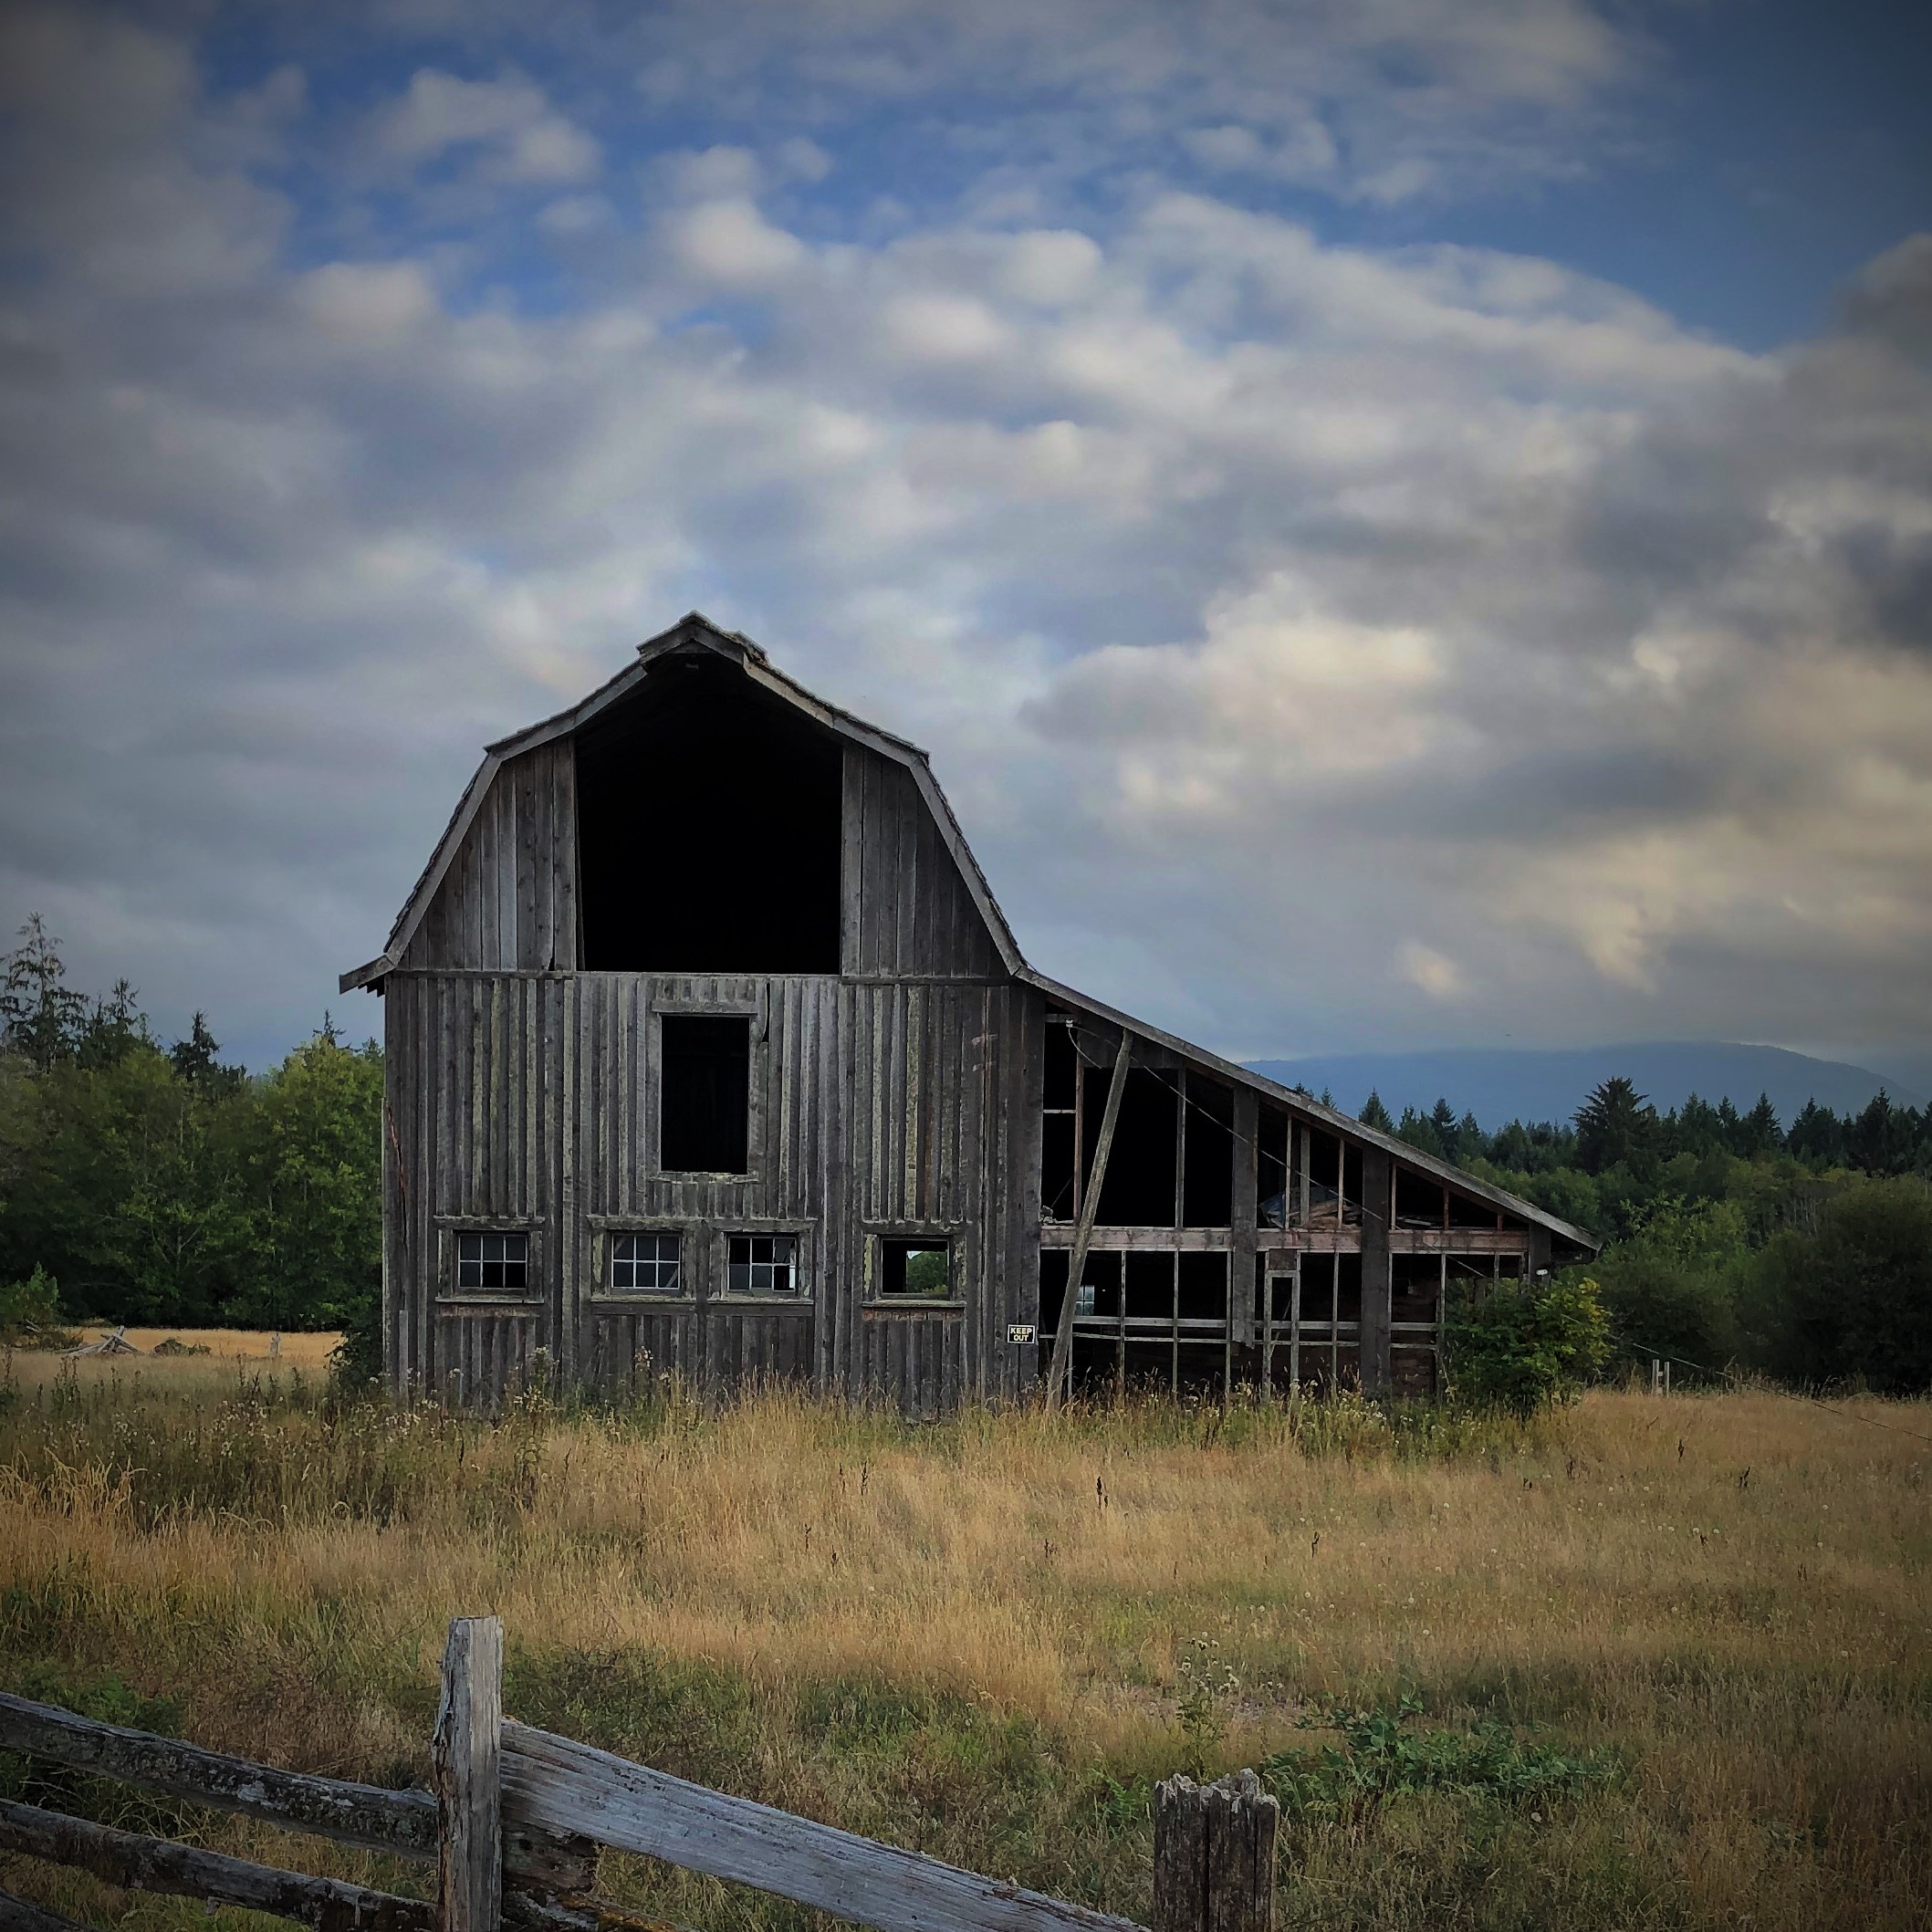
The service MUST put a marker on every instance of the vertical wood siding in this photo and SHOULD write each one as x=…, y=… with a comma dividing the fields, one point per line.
x=529, y=1100
x=907, y=908
x=508, y=901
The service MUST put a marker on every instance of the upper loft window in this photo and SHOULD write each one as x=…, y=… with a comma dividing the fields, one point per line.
x=704, y=1095
x=708, y=815
x=492, y=1264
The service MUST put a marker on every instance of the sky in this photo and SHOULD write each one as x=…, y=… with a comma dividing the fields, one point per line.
x=1402, y=523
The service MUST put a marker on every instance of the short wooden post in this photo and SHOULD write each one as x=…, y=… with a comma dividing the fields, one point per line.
x=467, y=1759
x=1213, y=1855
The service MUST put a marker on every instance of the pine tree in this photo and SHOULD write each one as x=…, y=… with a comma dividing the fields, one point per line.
x=1374, y=1114
x=1615, y=1126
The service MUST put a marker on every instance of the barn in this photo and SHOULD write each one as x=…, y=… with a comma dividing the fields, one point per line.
x=709, y=1053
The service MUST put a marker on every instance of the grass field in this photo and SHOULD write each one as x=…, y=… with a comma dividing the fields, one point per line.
x=309, y=1351
x=1668, y=1663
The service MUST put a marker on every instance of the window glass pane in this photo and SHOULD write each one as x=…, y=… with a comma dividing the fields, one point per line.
x=492, y=1263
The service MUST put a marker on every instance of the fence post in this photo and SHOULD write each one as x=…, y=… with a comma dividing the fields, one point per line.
x=467, y=1759
x=1213, y=1855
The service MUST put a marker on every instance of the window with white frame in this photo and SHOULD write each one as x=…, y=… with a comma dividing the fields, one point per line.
x=763, y=1265
x=493, y=1263
x=646, y=1264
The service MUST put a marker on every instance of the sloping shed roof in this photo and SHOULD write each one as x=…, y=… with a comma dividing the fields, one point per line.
x=695, y=631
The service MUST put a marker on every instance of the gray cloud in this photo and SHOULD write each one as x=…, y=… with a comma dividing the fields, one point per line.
x=1324, y=646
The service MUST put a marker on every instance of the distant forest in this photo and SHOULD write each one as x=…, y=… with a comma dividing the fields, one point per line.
x=149, y=1183
x=145, y=1181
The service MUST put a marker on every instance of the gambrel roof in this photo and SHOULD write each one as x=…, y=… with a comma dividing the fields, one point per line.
x=696, y=633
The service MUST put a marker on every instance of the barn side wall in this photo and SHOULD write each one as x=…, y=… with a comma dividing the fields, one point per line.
x=528, y=1101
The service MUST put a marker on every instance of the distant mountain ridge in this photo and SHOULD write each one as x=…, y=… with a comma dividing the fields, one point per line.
x=1498, y=1084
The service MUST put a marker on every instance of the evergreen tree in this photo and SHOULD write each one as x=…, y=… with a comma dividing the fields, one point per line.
x=1374, y=1114
x=1442, y=1118
x=1615, y=1126
x=1761, y=1132
x=42, y=1016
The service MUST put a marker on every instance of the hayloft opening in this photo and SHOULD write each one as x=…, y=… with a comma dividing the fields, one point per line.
x=704, y=1095
x=708, y=827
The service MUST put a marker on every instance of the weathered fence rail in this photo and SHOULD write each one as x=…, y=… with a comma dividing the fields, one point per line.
x=517, y=1815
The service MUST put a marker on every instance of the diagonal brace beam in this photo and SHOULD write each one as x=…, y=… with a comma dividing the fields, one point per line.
x=1061, y=1370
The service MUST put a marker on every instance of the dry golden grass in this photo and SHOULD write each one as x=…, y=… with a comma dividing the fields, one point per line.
x=969, y=1638
x=299, y=1350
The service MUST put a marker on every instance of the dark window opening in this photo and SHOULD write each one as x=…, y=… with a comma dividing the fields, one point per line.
x=1137, y=1190
x=1061, y=1062
x=762, y=1264
x=647, y=1264
x=1208, y=1194
x=916, y=1268
x=708, y=827
x=1414, y=1286
x=492, y=1264
x=1149, y=1287
x=1352, y=1200
x=1055, y=1167
x=1465, y=1213
x=704, y=1112
x=1418, y=1202
x=1204, y=1288
x=1272, y=1190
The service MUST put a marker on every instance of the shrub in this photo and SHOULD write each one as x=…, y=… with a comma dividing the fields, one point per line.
x=1382, y=1755
x=30, y=1310
x=1520, y=1349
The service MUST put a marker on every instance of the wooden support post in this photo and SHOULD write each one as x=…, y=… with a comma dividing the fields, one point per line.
x=467, y=1772
x=1213, y=1855
x=1062, y=1368
x=1378, y=1191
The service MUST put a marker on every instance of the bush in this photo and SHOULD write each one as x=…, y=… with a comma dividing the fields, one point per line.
x=1382, y=1755
x=1520, y=1349
x=30, y=1310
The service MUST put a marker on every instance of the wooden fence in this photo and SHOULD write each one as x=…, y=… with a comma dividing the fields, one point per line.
x=515, y=1816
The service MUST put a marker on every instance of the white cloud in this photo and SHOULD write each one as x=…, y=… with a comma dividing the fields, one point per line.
x=519, y=139
x=1435, y=974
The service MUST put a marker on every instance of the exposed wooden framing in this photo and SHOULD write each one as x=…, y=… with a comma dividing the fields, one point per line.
x=1059, y=1371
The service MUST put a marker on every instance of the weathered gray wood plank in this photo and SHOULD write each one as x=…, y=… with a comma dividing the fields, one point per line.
x=467, y=1753
x=402, y=1822
x=153, y=1865
x=556, y=1782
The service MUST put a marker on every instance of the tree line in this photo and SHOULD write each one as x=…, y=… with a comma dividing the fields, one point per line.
x=147, y=1182
x=1805, y=1252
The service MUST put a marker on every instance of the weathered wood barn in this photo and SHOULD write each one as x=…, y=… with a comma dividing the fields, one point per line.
x=709, y=1051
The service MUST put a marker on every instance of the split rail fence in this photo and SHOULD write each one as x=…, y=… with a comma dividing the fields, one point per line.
x=515, y=1816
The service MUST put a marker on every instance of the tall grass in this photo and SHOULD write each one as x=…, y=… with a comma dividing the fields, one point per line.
x=988, y=1637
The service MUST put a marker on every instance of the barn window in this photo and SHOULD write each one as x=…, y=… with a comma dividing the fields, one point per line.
x=919, y=1267
x=645, y=1264
x=492, y=1264
x=704, y=1095
x=764, y=1265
